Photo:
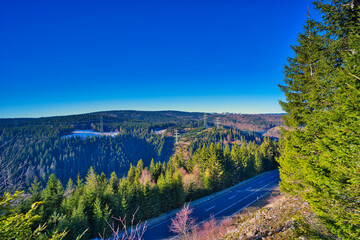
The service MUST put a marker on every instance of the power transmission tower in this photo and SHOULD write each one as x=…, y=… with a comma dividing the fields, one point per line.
x=205, y=117
x=176, y=135
x=101, y=124
x=217, y=122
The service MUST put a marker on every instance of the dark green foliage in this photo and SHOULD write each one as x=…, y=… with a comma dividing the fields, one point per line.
x=45, y=151
x=52, y=196
x=222, y=136
x=91, y=205
x=320, y=149
x=152, y=185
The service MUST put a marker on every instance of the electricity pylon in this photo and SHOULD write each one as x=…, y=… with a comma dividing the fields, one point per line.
x=176, y=135
x=217, y=122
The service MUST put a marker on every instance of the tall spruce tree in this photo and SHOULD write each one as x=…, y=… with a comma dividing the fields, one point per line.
x=52, y=196
x=320, y=149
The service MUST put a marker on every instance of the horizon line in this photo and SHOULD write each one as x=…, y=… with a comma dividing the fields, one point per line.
x=134, y=110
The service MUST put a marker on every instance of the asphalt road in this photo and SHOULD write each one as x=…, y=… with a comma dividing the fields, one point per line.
x=222, y=206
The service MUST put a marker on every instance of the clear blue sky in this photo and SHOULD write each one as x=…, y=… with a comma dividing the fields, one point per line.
x=64, y=57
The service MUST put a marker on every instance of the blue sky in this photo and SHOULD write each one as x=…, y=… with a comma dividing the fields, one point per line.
x=65, y=57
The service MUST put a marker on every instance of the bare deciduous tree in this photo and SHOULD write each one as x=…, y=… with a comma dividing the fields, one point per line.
x=210, y=229
x=10, y=178
x=183, y=222
x=123, y=232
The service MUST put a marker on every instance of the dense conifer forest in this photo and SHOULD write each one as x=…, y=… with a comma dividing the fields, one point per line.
x=40, y=147
x=92, y=202
x=76, y=185
x=42, y=150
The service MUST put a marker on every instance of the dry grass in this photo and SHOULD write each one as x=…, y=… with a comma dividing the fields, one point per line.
x=281, y=216
x=277, y=216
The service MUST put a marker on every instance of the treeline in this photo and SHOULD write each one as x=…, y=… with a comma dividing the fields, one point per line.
x=109, y=118
x=91, y=203
x=223, y=136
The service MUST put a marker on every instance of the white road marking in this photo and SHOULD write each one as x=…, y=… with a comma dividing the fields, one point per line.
x=231, y=206
x=248, y=188
x=232, y=197
x=250, y=203
x=209, y=208
x=220, y=211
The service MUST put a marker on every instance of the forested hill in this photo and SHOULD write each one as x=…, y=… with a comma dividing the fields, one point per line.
x=38, y=147
x=251, y=122
x=40, y=150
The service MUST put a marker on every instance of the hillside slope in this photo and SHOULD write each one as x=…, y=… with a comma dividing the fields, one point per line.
x=276, y=216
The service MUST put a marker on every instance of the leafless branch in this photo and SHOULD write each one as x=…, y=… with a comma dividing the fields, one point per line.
x=135, y=232
x=183, y=222
x=10, y=177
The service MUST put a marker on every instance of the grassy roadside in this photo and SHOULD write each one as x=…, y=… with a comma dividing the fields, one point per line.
x=275, y=216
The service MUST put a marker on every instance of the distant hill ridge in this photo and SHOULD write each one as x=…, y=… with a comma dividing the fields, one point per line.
x=251, y=122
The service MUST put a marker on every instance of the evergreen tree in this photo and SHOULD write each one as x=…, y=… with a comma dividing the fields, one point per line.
x=35, y=191
x=178, y=190
x=163, y=192
x=52, y=196
x=154, y=201
x=91, y=192
x=258, y=164
x=70, y=188
x=229, y=167
x=153, y=169
x=102, y=181
x=111, y=196
x=267, y=154
x=101, y=216
x=124, y=206
x=320, y=148
x=78, y=222
x=216, y=167
x=114, y=183
x=138, y=170
x=251, y=152
x=208, y=188
x=131, y=174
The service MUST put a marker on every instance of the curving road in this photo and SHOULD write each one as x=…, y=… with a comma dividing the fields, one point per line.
x=222, y=206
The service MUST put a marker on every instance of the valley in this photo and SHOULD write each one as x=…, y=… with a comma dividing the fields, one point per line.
x=127, y=163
